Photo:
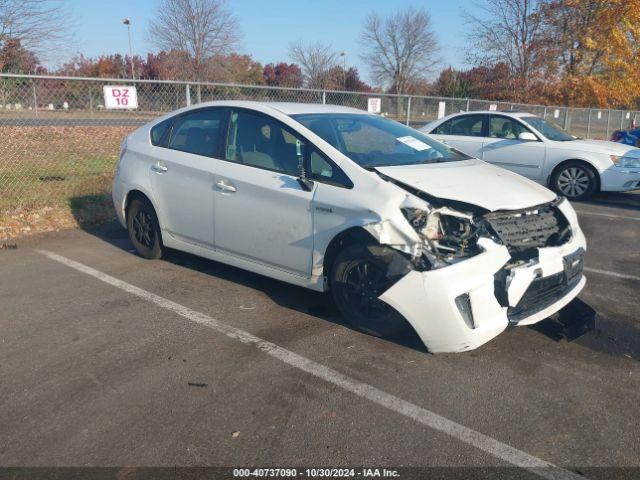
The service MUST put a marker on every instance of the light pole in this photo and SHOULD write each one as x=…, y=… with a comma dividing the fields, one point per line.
x=127, y=22
x=344, y=70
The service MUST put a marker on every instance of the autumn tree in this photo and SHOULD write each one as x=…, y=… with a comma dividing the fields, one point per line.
x=41, y=26
x=401, y=49
x=14, y=58
x=597, y=50
x=283, y=75
x=202, y=29
x=315, y=60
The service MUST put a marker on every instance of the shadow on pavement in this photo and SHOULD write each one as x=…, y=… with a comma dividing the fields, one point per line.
x=621, y=200
x=319, y=305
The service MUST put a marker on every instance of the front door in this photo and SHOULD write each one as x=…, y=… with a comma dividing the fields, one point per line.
x=262, y=213
x=503, y=148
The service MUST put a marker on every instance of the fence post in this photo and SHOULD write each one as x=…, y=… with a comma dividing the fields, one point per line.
x=621, y=119
x=608, y=120
x=35, y=100
x=324, y=97
x=90, y=103
x=408, y=110
x=467, y=104
x=589, y=126
x=187, y=92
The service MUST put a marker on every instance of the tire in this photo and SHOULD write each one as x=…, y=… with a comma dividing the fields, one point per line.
x=575, y=180
x=357, y=279
x=144, y=229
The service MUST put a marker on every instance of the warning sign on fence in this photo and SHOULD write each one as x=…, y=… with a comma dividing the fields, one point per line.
x=120, y=97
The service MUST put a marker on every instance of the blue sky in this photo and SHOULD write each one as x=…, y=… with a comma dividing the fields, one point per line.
x=268, y=26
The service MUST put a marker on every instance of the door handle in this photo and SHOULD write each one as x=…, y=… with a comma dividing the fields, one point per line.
x=159, y=168
x=225, y=187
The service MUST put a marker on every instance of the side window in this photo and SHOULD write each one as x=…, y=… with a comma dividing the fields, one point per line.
x=325, y=171
x=466, y=126
x=260, y=141
x=505, y=127
x=198, y=132
x=159, y=133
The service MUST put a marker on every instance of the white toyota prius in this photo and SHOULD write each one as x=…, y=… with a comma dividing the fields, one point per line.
x=399, y=227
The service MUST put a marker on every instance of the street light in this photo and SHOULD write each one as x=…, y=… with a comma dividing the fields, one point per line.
x=344, y=70
x=127, y=22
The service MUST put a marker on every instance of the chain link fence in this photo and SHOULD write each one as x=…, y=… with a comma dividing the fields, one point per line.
x=59, y=142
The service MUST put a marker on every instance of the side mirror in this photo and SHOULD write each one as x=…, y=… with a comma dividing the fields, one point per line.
x=527, y=137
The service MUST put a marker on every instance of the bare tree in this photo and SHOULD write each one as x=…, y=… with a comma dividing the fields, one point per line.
x=511, y=31
x=315, y=60
x=203, y=29
x=401, y=49
x=41, y=26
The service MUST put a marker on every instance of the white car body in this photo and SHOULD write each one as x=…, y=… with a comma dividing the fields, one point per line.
x=537, y=159
x=265, y=222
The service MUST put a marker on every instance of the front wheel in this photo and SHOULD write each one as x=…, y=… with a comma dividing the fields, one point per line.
x=358, y=278
x=144, y=229
x=575, y=180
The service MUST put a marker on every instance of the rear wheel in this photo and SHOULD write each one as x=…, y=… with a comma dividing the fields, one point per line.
x=358, y=278
x=144, y=230
x=575, y=180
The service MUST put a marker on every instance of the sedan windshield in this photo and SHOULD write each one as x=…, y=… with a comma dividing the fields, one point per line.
x=548, y=129
x=373, y=141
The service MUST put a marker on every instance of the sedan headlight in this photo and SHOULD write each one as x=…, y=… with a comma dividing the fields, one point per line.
x=625, y=162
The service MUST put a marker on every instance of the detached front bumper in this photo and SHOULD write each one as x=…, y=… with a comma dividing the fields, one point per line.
x=617, y=179
x=428, y=299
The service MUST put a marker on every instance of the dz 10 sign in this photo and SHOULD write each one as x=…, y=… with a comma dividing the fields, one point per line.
x=120, y=97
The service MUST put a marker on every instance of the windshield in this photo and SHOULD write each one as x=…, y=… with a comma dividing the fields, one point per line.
x=548, y=129
x=373, y=141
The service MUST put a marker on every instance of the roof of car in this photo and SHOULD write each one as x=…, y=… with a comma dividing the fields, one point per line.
x=513, y=113
x=288, y=108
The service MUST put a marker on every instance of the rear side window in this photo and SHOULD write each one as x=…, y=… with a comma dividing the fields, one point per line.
x=159, y=133
x=466, y=126
x=198, y=132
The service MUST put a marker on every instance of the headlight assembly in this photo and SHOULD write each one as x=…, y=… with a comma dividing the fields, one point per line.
x=447, y=234
x=625, y=162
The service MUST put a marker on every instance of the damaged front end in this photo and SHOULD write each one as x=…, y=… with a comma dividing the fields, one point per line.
x=475, y=272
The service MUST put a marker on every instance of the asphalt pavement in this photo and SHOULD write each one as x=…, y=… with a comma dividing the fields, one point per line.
x=109, y=360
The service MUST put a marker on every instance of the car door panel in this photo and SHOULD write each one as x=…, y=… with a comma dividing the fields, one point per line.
x=182, y=186
x=264, y=216
x=503, y=148
x=182, y=174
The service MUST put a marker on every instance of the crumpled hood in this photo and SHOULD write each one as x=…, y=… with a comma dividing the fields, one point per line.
x=472, y=181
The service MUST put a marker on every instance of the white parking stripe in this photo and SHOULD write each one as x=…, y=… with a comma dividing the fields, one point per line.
x=612, y=274
x=608, y=215
x=421, y=415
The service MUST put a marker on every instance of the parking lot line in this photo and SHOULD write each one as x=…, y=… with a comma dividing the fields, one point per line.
x=612, y=274
x=609, y=215
x=421, y=415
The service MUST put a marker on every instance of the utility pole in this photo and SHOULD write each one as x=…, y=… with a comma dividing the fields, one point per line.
x=127, y=22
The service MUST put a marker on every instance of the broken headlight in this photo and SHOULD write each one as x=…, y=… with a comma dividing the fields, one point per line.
x=447, y=234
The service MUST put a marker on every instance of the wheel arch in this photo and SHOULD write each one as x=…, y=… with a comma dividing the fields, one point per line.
x=587, y=163
x=346, y=237
x=137, y=192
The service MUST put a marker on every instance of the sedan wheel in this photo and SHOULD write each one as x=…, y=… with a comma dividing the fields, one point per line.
x=144, y=230
x=575, y=181
x=358, y=279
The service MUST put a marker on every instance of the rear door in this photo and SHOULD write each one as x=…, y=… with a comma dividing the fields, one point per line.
x=503, y=148
x=183, y=173
x=262, y=213
x=464, y=133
